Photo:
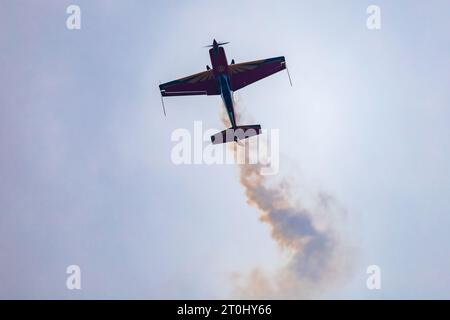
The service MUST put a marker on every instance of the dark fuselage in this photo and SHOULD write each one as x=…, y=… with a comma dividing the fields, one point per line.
x=221, y=74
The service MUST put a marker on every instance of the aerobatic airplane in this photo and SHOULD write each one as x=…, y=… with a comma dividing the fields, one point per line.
x=224, y=79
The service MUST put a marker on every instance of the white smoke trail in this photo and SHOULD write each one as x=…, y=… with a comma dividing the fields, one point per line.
x=318, y=257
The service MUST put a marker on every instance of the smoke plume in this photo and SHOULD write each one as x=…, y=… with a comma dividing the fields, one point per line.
x=308, y=234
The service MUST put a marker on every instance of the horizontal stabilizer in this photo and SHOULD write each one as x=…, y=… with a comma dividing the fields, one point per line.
x=236, y=134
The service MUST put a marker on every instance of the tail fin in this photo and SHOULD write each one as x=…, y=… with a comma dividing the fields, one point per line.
x=236, y=134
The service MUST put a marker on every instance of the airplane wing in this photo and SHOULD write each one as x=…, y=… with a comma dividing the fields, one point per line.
x=243, y=74
x=202, y=83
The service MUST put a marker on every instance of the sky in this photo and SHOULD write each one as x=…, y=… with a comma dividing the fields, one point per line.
x=86, y=176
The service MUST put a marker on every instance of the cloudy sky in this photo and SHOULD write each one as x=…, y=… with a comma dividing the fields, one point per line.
x=86, y=176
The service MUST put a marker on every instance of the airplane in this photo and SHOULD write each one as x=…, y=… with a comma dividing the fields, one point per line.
x=223, y=79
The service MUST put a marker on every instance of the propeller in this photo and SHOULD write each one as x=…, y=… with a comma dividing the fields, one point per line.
x=215, y=43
